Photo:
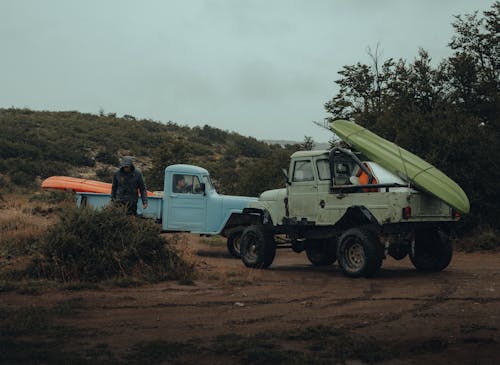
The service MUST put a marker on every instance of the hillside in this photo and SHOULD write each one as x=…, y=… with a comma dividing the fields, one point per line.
x=38, y=144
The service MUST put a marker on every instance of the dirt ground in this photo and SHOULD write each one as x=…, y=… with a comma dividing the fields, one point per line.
x=290, y=313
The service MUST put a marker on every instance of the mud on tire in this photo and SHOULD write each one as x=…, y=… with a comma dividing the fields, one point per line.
x=432, y=250
x=359, y=252
x=258, y=247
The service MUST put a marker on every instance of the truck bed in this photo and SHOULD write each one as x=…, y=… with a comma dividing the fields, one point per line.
x=97, y=200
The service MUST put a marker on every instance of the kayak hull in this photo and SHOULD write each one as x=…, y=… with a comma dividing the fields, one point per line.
x=78, y=185
x=403, y=163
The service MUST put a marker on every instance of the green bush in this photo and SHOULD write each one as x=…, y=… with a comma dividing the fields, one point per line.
x=95, y=245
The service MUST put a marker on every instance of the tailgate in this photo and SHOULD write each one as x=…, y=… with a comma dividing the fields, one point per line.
x=428, y=207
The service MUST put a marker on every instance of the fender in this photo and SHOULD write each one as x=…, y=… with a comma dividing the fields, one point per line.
x=357, y=216
x=237, y=219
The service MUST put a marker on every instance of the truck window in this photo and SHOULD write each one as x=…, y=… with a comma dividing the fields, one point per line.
x=303, y=171
x=208, y=183
x=186, y=184
x=323, y=169
x=342, y=173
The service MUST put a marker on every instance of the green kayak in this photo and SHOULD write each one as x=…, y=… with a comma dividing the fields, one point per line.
x=402, y=163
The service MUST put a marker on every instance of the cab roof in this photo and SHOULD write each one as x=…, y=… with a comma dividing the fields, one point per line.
x=309, y=153
x=187, y=169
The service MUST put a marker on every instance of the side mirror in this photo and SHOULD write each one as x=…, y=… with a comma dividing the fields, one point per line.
x=285, y=174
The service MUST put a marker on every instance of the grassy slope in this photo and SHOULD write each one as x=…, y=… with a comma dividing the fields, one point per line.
x=38, y=144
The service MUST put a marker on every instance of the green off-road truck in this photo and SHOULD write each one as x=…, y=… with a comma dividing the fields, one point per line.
x=356, y=206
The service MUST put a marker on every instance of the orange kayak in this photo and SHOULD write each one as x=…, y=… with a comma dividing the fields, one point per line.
x=78, y=185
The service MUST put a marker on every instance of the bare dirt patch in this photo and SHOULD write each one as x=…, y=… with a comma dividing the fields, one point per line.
x=291, y=313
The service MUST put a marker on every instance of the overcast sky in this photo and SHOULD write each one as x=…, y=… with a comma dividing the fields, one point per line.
x=262, y=68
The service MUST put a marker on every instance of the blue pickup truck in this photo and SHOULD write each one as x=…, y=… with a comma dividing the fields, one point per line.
x=198, y=208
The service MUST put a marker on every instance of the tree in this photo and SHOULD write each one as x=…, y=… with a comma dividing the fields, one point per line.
x=172, y=153
x=447, y=114
x=308, y=144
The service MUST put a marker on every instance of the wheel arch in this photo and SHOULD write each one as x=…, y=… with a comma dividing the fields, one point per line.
x=357, y=216
x=238, y=221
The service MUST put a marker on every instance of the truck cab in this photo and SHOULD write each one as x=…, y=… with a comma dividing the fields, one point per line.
x=191, y=203
x=324, y=187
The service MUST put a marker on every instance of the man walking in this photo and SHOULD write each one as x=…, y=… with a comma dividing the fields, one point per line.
x=127, y=181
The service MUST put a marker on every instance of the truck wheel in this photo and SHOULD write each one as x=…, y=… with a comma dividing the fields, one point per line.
x=359, y=253
x=321, y=252
x=432, y=250
x=233, y=244
x=258, y=247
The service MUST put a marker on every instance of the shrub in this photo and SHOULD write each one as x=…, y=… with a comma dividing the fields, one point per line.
x=105, y=174
x=95, y=245
x=107, y=156
x=483, y=239
x=53, y=197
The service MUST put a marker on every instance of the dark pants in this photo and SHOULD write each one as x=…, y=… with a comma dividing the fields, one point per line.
x=130, y=205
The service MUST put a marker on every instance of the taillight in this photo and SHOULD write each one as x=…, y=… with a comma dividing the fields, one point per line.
x=455, y=214
x=407, y=212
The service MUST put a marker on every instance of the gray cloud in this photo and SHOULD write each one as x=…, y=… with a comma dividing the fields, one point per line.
x=261, y=68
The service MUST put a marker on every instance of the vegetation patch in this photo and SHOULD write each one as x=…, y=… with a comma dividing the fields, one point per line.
x=482, y=239
x=96, y=245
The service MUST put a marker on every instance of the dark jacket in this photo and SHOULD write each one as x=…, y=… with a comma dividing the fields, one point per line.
x=126, y=185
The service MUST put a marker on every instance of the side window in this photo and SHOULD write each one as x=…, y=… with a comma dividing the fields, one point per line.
x=303, y=171
x=323, y=169
x=196, y=185
x=342, y=172
x=186, y=184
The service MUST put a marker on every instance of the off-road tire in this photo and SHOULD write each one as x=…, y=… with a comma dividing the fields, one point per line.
x=258, y=247
x=432, y=250
x=359, y=252
x=321, y=252
x=234, y=244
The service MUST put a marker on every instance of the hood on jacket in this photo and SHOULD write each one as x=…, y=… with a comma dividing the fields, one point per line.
x=127, y=161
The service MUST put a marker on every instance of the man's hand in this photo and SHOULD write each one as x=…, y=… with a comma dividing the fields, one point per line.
x=145, y=205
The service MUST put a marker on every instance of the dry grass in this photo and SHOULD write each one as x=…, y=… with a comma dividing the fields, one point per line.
x=23, y=219
x=21, y=222
x=214, y=241
x=239, y=278
x=188, y=254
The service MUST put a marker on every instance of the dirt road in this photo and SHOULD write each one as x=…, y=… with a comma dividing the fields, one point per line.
x=291, y=313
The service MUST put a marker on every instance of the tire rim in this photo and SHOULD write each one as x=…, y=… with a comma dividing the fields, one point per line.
x=251, y=252
x=355, y=256
x=236, y=244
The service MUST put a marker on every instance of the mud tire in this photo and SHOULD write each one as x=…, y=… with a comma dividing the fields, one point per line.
x=234, y=245
x=321, y=252
x=432, y=250
x=359, y=252
x=258, y=247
